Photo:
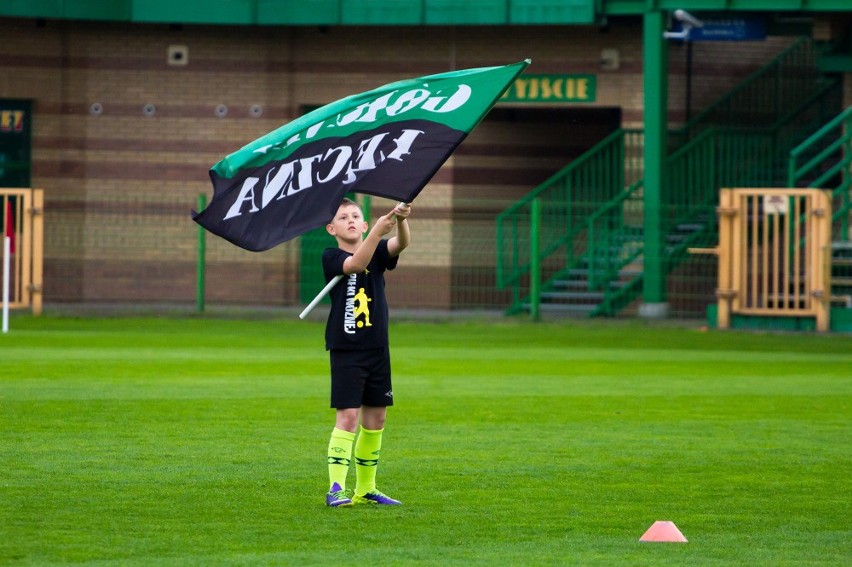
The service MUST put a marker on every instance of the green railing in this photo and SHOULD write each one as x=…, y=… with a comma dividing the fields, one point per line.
x=614, y=236
x=718, y=157
x=605, y=236
x=765, y=97
x=567, y=199
x=591, y=211
x=824, y=161
x=692, y=176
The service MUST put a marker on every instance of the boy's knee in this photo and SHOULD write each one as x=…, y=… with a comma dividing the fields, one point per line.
x=347, y=419
x=373, y=418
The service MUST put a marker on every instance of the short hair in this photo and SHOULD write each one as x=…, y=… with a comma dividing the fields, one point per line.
x=346, y=202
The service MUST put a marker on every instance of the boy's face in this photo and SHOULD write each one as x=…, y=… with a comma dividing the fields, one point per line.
x=348, y=224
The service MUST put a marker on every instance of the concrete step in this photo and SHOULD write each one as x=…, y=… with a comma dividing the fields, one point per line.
x=567, y=308
x=577, y=285
x=583, y=285
x=690, y=227
x=565, y=296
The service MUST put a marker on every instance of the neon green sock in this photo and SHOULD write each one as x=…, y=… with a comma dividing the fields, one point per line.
x=339, y=456
x=367, y=449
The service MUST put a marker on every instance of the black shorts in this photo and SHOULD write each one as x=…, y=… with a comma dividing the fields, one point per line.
x=361, y=378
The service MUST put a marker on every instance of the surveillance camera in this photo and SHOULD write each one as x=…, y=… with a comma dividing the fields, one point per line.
x=687, y=18
x=688, y=21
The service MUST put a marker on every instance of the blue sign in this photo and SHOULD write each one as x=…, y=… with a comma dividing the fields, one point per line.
x=734, y=28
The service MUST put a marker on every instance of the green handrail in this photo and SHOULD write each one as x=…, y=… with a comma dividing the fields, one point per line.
x=717, y=157
x=567, y=198
x=770, y=92
x=824, y=161
x=607, y=230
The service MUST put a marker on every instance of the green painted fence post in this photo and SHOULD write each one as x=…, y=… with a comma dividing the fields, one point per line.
x=366, y=207
x=535, y=260
x=202, y=252
x=655, y=56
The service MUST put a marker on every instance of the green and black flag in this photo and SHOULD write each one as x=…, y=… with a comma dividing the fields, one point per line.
x=387, y=142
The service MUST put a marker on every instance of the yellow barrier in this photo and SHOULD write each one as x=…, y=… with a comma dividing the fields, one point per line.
x=23, y=220
x=774, y=254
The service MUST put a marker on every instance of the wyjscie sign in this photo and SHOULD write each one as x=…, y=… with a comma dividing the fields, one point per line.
x=552, y=88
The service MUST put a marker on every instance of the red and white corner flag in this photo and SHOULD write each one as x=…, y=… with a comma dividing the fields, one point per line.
x=9, y=223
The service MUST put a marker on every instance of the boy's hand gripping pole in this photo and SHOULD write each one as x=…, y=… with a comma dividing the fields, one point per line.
x=325, y=291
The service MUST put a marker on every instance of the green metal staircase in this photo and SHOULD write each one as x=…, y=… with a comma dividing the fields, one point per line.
x=546, y=232
x=575, y=243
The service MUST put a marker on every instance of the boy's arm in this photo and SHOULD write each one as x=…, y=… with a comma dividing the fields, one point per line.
x=403, y=233
x=359, y=261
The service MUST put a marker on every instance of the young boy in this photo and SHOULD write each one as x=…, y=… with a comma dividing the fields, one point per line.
x=356, y=336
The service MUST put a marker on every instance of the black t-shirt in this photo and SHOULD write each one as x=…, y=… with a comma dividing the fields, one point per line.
x=359, y=309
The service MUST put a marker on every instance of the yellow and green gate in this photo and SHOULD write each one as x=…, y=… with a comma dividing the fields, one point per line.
x=774, y=254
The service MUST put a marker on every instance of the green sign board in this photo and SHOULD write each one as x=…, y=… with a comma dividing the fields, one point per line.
x=15, y=135
x=552, y=89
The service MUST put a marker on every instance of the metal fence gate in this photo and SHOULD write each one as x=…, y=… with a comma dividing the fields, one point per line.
x=774, y=254
x=23, y=223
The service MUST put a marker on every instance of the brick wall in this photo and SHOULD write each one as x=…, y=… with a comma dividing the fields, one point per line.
x=119, y=182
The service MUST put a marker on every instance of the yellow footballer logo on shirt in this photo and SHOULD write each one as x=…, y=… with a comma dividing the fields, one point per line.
x=357, y=305
x=362, y=308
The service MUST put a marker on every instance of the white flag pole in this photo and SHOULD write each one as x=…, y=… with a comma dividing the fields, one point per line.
x=320, y=295
x=323, y=292
x=7, y=252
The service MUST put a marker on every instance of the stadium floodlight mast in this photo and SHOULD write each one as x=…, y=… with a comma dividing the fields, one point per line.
x=324, y=291
x=688, y=21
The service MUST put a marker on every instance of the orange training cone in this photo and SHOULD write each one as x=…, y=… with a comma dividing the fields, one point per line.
x=663, y=531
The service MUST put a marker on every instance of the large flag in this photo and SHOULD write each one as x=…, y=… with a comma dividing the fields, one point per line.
x=387, y=142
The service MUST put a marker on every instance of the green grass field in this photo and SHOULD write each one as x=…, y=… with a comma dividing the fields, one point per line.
x=145, y=441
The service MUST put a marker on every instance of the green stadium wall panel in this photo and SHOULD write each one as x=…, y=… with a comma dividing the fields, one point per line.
x=387, y=12
x=225, y=12
x=115, y=10
x=552, y=12
x=479, y=12
x=305, y=12
x=381, y=12
x=32, y=8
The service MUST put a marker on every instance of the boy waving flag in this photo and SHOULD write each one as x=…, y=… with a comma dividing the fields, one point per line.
x=356, y=336
x=387, y=142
